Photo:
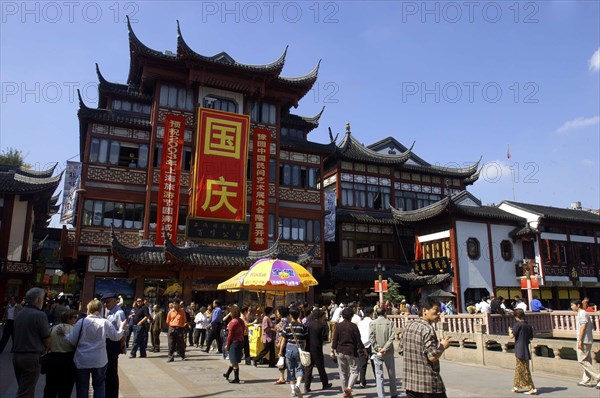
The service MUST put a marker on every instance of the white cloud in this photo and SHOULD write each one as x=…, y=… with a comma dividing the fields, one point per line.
x=577, y=123
x=587, y=162
x=594, y=62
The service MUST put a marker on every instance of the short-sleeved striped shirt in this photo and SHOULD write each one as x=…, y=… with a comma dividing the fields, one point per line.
x=419, y=342
x=299, y=330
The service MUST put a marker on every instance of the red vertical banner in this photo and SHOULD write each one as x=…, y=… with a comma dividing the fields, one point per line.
x=261, y=144
x=219, y=182
x=170, y=178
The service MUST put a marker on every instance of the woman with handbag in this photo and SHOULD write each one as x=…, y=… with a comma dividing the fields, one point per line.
x=281, y=317
x=294, y=336
x=89, y=338
x=234, y=344
x=60, y=372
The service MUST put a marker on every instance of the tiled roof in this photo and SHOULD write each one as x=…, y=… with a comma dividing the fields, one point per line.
x=124, y=90
x=185, y=52
x=364, y=216
x=303, y=122
x=112, y=116
x=199, y=255
x=17, y=180
x=349, y=148
x=421, y=280
x=523, y=231
x=557, y=213
x=448, y=204
x=308, y=146
x=471, y=174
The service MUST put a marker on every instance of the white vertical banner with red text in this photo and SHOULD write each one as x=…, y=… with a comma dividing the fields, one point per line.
x=170, y=178
x=261, y=144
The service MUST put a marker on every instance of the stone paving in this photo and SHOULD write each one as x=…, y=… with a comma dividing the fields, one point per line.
x=200, y=375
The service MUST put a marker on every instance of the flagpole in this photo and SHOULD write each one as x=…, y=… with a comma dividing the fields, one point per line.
x=511, y=173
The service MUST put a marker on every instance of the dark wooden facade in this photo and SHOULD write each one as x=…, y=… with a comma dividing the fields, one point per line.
x=120, y=143
x=366, y=181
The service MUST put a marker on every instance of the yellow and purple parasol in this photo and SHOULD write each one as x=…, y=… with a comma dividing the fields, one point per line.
x=274, y=272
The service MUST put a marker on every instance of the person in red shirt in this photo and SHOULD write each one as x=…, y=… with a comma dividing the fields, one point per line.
x=176, y=319
x=235, y=344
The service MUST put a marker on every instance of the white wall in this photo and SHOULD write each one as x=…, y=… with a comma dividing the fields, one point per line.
x=17, y=230
x=473, y=273
x=504, y=270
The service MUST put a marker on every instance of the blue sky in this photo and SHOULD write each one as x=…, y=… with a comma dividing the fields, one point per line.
x=462, y=79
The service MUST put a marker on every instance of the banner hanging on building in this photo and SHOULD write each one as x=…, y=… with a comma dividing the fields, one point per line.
x=170, y=178
x=261, y=144
x=219, y=184
x=72, y=183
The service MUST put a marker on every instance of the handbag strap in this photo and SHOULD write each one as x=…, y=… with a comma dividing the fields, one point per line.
x=80, y=330
x=294, y=334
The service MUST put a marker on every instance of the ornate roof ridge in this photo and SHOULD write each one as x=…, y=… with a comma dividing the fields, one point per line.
x=223, y=58
x=327, y=149
x=38, y=181
x=349, y=144
x=461, y=170
x=28, y=172
x=103, y=82
x=109, y=115
x=556, y=213
x=450, y=203
x=135, y=41
x=128, y=90
x=422, y=213
x=313, y=121
x=401, y=146
x=307, y=79
x=147, y=255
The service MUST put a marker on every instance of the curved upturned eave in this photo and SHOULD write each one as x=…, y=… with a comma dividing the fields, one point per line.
x=471, y=179
x=136, y=255
x=349, y=144
x=137, y=48
x=185, y=52
x=30, y=172
x=301, y=81
x=118, y=89
x=459, y=171
x=424, y=213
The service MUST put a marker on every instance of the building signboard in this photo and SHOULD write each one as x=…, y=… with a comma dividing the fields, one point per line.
x=170, y=178
x=217, y=230
x=261, y=144
x=219, y=178
x=432, y=266
x=72, y=183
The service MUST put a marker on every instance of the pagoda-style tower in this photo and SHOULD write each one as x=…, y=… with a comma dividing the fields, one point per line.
x=121, y=146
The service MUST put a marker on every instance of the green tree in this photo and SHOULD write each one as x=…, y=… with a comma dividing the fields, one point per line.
x=393, y=292
x=13, y=157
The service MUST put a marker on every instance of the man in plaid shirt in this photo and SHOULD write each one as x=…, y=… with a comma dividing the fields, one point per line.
x=422, y=352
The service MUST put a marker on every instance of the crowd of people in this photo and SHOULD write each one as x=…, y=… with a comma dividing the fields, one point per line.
x=72, y=348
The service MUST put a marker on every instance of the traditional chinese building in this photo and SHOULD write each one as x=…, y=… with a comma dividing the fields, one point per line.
x=562, y=247
x=27, y=202
x=361, y=184
x=152, y=173
x=492, y=249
